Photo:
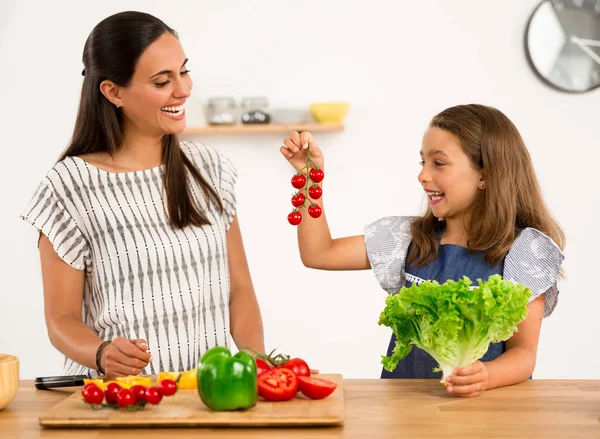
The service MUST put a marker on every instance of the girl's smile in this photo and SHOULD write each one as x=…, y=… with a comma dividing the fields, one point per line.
x=434, y=197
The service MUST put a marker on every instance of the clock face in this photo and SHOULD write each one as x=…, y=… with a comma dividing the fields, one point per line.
x=562, y=42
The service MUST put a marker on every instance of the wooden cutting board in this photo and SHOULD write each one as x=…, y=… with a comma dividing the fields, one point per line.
x=185, y=409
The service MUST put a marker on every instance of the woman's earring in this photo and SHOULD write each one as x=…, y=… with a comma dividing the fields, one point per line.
x=481, y=185
x=117, y=105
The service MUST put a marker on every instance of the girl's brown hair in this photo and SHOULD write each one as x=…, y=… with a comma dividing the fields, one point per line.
x=512, y=198
x=111, y=52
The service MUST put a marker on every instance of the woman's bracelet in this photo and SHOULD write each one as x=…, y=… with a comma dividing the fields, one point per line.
x=98, y=353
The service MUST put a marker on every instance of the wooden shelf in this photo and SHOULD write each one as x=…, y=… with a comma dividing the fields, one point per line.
x=263, y=129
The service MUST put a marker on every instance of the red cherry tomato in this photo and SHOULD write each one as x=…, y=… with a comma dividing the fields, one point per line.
x=278, y=385
x=139, y=392
x=316, y=388
x=315, y=192
x=167, y=387
x=294, y=218
x=92, y=394
x=262, y=366
x=298, y=366
x=298, y=181
x=125, y=397
x=89, y=385
x=110, y=394
x=153, y=395
x=315, y=210
x=298, y=200
x=316, y=175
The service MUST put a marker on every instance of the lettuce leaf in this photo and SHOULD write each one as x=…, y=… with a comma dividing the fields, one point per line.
x=451, y=322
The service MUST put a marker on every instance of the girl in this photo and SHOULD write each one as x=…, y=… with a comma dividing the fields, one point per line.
x=485, y=216
x=140, y=243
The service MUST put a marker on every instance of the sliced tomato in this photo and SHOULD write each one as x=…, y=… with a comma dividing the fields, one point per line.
x=278, y=385
x=316, y=388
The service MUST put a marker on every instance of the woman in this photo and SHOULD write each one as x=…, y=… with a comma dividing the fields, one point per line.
x=142, y=258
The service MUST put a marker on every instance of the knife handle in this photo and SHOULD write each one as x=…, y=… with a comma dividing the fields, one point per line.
x=44, y=383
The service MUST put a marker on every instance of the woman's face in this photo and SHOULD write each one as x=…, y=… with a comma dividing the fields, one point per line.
x=154, y=102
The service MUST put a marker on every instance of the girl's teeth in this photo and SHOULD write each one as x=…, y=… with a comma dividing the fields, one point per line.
x=436, y=196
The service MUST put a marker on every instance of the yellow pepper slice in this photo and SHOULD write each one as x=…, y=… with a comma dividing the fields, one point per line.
x=126, y=382
x=188, y=380
x=132, y=380
x=99, y=383
x=166, y=376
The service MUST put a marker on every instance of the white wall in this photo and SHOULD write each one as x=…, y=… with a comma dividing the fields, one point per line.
x=398, y=63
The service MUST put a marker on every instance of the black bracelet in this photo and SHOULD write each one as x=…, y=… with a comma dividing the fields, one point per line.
x=98, y=352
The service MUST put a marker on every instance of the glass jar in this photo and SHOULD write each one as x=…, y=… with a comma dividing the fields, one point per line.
x=255, y=110
x=221, y=111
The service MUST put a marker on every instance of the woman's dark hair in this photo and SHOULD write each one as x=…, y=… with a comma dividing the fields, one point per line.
x=111, y=52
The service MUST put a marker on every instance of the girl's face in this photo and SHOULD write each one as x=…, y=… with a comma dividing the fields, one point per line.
x=153, y=103
x=448, y=176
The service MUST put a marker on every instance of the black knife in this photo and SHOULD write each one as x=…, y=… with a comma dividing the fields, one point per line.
x=44, y=383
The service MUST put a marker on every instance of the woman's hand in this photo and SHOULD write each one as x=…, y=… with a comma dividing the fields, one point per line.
x=468, y=381
x=124, y=357
x=295, y=150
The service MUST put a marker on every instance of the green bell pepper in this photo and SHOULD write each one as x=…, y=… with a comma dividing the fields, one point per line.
x=227, y=382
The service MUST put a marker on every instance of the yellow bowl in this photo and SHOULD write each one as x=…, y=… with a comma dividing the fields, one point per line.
x=329, y=112
x=9, y=378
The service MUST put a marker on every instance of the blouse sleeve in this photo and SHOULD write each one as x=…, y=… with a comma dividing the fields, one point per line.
x=227, y=181
x=534, y=261
x=387, y=240
x=49, y=216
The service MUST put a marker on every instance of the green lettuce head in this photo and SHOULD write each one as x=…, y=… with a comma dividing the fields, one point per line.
x=451, y=322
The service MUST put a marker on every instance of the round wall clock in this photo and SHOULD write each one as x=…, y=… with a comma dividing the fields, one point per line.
x=562, y=42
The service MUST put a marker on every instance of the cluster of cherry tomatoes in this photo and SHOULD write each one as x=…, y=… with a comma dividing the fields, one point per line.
x=137, y=396
x=314, y=192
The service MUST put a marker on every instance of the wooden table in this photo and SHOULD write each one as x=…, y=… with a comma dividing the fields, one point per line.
x=377, y=409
